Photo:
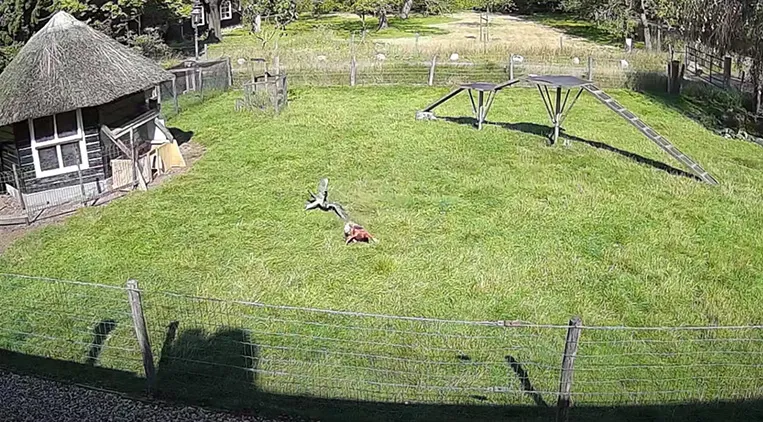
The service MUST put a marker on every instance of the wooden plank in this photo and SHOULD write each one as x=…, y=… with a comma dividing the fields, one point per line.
x=568, y=368
x=141, y=333
x=110, y=135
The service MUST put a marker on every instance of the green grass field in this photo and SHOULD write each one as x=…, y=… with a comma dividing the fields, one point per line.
x=490, y=225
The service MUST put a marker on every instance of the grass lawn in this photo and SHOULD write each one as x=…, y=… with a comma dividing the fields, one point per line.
x=489, y=225
x=346, y=24
x=577, y=27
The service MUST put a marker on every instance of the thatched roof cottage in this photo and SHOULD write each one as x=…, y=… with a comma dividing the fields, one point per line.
x=65, y=86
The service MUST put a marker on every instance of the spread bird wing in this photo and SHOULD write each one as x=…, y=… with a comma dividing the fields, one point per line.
x=338, y=210
x=323, y=188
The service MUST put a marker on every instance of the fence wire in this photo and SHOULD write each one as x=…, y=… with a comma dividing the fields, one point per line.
x=316, y=353
x=67, y=320
x=213, y=349
x=668, y=364
x=193, y=84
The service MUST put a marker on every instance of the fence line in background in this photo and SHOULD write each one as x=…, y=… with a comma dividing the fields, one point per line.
x=184, y=343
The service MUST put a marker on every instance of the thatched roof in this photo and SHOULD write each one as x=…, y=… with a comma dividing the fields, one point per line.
x=68, y=65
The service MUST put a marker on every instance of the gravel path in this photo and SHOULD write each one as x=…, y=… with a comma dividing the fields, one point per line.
x=29, y=399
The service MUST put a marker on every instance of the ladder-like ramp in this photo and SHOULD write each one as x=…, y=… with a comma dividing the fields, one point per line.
x=650, y=133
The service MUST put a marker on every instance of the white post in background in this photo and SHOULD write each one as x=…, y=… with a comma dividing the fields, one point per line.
x=431, y=70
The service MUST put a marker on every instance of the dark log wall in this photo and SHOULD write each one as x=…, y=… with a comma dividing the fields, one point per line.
x=122, y=110
x=112, y=115
x=94, y=173
x=8, y=156
x=115, y=114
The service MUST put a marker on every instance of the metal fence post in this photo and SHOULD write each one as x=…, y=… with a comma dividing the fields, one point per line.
x=568, y=366
x=590, y=68
x=511, y=67
x=141, y=332
x=431, y=70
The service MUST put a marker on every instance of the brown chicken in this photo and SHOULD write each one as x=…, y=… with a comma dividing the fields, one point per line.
x=356, y=233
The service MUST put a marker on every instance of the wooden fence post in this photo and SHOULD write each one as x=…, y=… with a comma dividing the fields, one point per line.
x=727, y=70
x=20, y=191
x=175, y=94
x=511, y=67
x=229, y=63
x=659, y=39
x=201, y=82
x=590, y=68
x=81, y=183
x=561, y=42
x=353, y=70
x=431, y=70
x=568, y=367
x=141, y=332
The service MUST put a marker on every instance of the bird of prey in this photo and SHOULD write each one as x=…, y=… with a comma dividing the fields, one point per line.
x=320, y=201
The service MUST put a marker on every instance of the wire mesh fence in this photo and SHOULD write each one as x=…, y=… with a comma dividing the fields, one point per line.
x=320, y=353
x=194, y=82
x=378, y=69
x=215, y=350
x=68, y=320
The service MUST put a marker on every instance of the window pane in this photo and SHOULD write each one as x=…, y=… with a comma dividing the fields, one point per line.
x=71, y=154
x=48, y=158
x=43, y=128
x=66, y=124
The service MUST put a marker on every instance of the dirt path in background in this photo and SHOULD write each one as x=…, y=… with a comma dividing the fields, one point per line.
x=191, y=151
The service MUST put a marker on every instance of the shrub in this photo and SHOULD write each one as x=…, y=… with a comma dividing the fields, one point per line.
x=150, y=44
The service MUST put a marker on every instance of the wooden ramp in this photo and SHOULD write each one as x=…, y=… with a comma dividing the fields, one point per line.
x=650, y=133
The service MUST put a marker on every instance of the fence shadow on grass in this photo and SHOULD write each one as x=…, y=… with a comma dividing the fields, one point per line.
x=544, y=131
x=217, y=369
x=100, y=335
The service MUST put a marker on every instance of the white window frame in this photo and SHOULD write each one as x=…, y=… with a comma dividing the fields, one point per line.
x=203, y=17
x=57, y=142
x=223, y=15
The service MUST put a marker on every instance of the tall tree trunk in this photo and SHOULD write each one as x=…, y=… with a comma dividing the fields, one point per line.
x=407, y=5
x=214, y=18
x=383, y=24
x=645, y=24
